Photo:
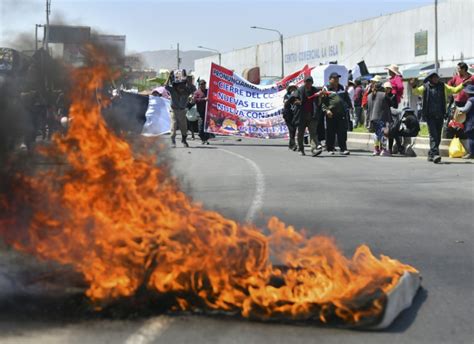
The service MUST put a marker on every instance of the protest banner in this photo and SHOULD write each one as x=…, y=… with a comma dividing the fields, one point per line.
x=238, y=107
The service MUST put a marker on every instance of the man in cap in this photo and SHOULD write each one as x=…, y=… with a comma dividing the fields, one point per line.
x=308, y=110
x=435, y=94
x=336, y=104
x=395, y=78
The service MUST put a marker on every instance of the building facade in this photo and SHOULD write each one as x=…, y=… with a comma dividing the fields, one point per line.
x=405, y=38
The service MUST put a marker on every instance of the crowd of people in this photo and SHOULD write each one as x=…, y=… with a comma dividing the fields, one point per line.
x=329, y=112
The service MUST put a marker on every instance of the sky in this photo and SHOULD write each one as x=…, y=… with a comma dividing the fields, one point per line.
x=222, y=25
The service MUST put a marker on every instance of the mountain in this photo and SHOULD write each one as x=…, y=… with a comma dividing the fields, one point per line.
x=166, y=59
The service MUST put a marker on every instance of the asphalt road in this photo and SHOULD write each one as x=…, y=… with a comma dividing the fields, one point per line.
x=407, y=208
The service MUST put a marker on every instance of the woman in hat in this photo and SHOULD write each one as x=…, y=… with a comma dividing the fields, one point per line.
x=397, y=82
x=379, y=117
x=468, y=109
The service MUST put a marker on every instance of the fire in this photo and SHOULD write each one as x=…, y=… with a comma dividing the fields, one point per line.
x=122, y=221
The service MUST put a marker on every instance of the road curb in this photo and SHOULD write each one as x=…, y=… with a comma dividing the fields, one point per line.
x=420, y=145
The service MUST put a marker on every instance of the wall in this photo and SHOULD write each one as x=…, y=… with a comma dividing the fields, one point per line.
x=379, y=41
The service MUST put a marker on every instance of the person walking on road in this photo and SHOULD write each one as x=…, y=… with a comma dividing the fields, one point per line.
x=379, y=117
x=307, y=108
x=468, y=109
x=435, y=94
x=179, y=91
x=336, y=105
x=289, y=115
x=358, y=94
x=200, y=98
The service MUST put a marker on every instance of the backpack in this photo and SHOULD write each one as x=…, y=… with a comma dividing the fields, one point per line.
x=409, y=126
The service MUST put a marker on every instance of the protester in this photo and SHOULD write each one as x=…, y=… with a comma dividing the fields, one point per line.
x=462, y=77
x=395, y=78
x=379, y=117
x=289, y=115
x=179, y=92
x=435, y=94
x=336, y=105
x=468, y=109
x=192, y=125
x=357, y=100
x=307, y=108
x=350, y=92
x=200, y=98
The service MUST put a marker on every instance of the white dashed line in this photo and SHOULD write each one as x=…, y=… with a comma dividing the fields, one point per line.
x=152, y=329
x=257, y=202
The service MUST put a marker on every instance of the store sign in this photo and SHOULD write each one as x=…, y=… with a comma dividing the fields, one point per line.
x=330, y=51
x=421, y=43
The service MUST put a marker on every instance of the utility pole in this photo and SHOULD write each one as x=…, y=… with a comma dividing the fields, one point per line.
x=281, y=46
x=177, y=55
x=436, y=37
x=48, y=12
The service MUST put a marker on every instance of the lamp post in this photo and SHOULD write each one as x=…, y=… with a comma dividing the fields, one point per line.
x=214, y=50
x=281, y=44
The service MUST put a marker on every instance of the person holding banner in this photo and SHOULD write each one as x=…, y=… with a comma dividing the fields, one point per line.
x=289, y=115
x=336, y=104
x=200, y=98
x=307, y=109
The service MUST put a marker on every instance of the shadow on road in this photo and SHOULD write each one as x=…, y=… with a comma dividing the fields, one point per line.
x=408, y=316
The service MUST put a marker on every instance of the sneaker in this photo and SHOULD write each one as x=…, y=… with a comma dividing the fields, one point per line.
x=467, y=156
x=430, y=158
x=319, y=146
x=346, y=152
x=437, y=159
x=385, y=152
x=376, y=152
x=331, y=152
x=316, y=152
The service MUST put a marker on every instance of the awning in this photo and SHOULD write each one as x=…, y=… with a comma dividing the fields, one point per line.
x=418, y=70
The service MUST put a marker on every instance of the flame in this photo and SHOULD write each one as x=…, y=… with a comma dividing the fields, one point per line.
x=122, y=221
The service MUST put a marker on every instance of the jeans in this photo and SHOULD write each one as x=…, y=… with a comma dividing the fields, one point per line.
x=292, y=133
x=336, y=126
x=379, y=137
x=435, y=126
x=358, y=116
x=179, y=121
x=307, y=121
x=202, y=134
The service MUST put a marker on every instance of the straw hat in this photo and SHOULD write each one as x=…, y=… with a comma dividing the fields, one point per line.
x=387, y=84
x=376, y=78
x=459, y=116
x=394, y=68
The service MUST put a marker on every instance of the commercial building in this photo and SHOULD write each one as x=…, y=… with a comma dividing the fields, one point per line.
x=405, y=38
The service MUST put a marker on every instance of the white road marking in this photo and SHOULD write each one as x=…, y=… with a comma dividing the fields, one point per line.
x=257, y=202
x=150, y=330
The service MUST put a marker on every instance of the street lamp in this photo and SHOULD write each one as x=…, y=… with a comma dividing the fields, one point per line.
x=217, y=51
x=281, y=43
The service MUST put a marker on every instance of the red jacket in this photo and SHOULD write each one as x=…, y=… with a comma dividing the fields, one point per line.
x=461, y=97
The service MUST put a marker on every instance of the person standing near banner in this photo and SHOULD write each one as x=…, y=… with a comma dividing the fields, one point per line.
x=336, y=104
x=307, y=108
x=179, y=91
x=200, y=98
x=289, y=115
